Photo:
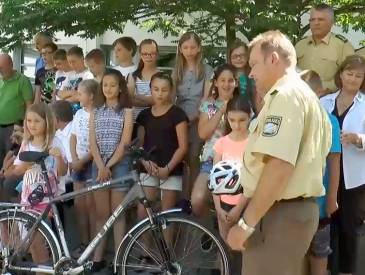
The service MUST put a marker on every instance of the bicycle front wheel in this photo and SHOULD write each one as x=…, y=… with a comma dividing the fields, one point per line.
x=190, y=246
x=42, y=251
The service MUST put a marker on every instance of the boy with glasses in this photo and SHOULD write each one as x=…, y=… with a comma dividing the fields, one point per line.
x=44, y=80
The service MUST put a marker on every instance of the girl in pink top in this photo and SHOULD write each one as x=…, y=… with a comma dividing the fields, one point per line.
x=231, y=147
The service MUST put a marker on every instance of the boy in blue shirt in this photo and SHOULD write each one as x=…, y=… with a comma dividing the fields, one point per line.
x=320, y=246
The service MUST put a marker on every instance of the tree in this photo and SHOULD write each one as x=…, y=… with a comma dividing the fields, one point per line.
x=217, y=21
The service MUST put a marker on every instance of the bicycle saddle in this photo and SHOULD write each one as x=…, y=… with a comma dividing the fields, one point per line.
x=32, y=156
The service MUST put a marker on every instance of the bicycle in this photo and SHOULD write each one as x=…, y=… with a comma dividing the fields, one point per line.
x=145, y=246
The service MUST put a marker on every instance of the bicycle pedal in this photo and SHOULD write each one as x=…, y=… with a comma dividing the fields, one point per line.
x=88, y=265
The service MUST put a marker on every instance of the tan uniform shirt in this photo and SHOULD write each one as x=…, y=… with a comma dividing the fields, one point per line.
x=361, y=52
x=325, y=57
x=292, y=126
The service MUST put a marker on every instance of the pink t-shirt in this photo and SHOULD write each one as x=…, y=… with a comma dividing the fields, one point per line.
x=230, y=150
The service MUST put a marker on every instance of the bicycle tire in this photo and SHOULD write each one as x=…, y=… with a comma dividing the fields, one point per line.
x=10, y=216
x=131, y=244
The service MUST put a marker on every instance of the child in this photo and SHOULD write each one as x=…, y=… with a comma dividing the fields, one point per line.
x=238, y=57
x=124, y=50
x=320, y=246
x=82, y=162
x=139, y=81
x=111, y=126
x=15, y=141
x=163, y=127
x=231, y=147
x=211, y=128
x=7, y=165
x=192, y=81
x=68, y=91
x=63, y=68
x=39, y=136
x=40, y=39
x=44, y=79
x=63, y=114
x=229, y=208
x=95, y=61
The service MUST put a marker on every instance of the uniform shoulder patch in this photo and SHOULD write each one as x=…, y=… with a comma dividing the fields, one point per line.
x=271, y=126
x=342, y=38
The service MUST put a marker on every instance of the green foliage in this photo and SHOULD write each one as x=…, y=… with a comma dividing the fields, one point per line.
x=217, y=21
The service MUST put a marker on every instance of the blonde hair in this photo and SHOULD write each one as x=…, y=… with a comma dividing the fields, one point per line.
x=275, y=41
x=178, y=73
x=44, y=111
x=313, y=79
x=42, y=35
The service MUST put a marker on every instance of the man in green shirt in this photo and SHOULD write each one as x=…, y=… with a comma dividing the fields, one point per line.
x=16, y=94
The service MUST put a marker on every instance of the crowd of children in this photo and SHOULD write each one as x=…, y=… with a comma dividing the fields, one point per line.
x=85, y=114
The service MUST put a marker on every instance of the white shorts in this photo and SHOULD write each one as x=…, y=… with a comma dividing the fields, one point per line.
x=173, y=183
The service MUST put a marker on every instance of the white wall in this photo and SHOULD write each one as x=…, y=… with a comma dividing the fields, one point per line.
x=139, y=34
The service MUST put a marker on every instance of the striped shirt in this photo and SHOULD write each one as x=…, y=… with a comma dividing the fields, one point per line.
x=142, y=88
x=109, y=125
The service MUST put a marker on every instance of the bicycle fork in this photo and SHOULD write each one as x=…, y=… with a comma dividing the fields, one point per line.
x=158, y=225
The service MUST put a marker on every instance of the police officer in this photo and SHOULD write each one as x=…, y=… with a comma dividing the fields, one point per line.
x=323, y=51
x=361, y=52
x=283, y=164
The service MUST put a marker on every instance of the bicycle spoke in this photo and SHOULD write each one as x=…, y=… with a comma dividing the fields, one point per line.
x=191, y=248
x=149, y=252
x=40, y=250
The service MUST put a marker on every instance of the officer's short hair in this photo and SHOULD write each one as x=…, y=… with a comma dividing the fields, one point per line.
x=325, y=7
x=351, y=62
x=275, y=41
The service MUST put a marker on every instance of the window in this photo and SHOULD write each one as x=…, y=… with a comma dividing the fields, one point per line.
x=27, y=65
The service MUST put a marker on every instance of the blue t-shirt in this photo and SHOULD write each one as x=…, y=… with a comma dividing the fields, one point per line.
x=39, y=64
x=335, y=148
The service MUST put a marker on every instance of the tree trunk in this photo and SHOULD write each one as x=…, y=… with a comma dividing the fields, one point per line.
x=230, y=31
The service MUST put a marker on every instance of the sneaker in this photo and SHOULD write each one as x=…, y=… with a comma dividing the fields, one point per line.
x=97, y=266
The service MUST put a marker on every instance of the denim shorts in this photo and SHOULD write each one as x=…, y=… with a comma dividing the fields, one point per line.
x=320, y=245
x=83, y=175
x=119, y=170
x=206, y=166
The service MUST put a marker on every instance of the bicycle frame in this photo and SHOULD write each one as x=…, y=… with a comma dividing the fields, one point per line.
x=135, y=193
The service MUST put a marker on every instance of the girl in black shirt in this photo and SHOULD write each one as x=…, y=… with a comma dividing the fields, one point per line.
x=163, y=128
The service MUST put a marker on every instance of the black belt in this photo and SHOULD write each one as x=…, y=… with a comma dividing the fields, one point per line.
x=6, y=125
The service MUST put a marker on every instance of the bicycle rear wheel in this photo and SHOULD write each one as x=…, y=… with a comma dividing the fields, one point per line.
x=190, y=246
x=43, y=249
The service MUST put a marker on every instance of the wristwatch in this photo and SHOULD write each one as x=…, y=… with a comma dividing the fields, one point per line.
x=244, y=226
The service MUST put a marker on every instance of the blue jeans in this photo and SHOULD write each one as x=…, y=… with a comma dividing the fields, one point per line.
x=119, y=170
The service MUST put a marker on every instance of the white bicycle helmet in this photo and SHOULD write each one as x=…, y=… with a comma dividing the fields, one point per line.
x=225, y=178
